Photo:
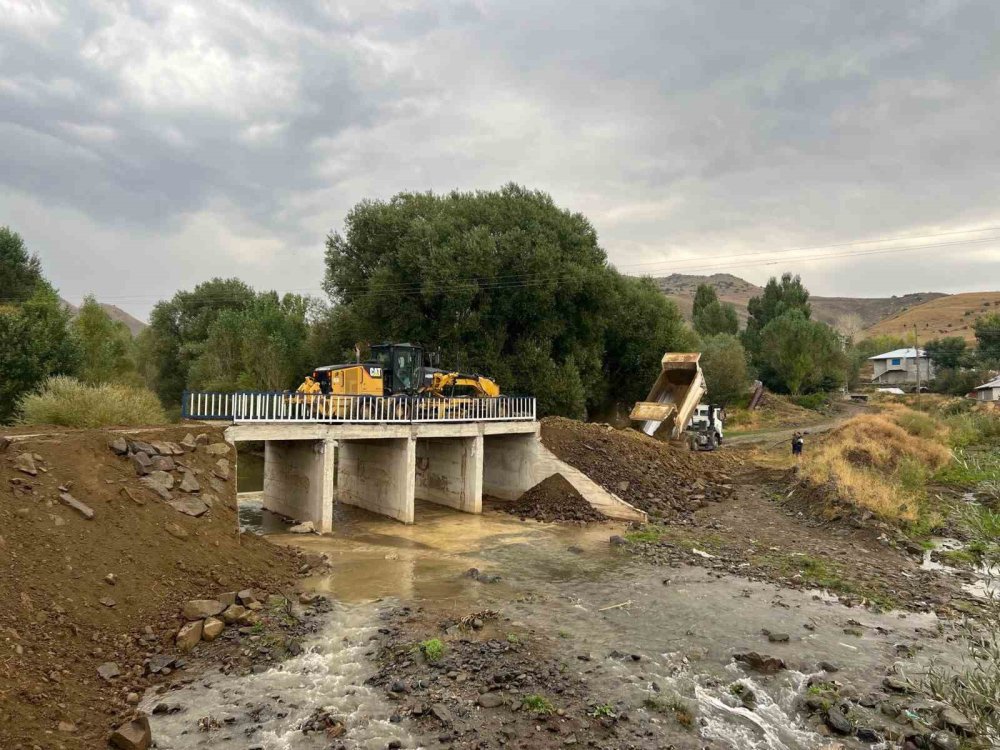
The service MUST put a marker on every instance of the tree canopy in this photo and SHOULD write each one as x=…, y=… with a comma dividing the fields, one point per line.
x=946, y=352
x=504, y=283
x=106, y=346
x=800, y=355
x=710, y=316
x=777, y=298
x=987, y=330
x=20, y=271
x=724, y=363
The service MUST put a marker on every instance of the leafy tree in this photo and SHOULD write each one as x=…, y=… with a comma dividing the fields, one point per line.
x=106, y=346
x=777, y=298
x=504, y=283
x=800, y=355
x=20, y=271
x=724, y=363
x=957, y=381
x=178, y=331
x=710, y=316
x=35, y=342
x=987, y=330
x=946, y=352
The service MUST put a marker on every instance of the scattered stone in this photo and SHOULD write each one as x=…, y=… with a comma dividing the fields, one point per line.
x=957, y=722
x=67, y=727
x=118, y=445
x=108, y=671
x=157, y=663
x=490, y=700
x=175, y=531
x=617, y=541
x=191, y=506
x=942, y=740
x=760, y=662
x=868, y=735
x=107, y=601
x=221, y=469
x=25, y=463
x=142, y=463
x=189, y=483
x=163, y=463
x=189, y=635
x=828, y=667
x=442, y=714
x=896, y=684
x=138, y=446
x=162, y=448
x=189, y=443
x=199, y=609
x=218, y=449
x=71, y=502
x=228, y=598
x=201, y=439
x=303, y=528
x=132, y=699
x=247, y=596
x=777, y=637
x=135, y=735
x=111, y=579
x=4, y=442
x=839, y=723
x=212, y=629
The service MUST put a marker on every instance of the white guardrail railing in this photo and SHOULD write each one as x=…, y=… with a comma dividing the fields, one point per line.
x=283, y=406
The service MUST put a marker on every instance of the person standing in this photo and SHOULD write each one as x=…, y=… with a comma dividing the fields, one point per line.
x=797, y=442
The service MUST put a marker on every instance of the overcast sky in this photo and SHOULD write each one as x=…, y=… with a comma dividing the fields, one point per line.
x=146, y=146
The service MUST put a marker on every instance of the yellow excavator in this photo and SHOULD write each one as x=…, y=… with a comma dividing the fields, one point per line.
x=392, y=370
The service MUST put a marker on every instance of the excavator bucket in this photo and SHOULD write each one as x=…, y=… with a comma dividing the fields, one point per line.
x=674, y=396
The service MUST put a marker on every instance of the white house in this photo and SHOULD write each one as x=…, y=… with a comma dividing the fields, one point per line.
x=902, y=366
x=987, y=391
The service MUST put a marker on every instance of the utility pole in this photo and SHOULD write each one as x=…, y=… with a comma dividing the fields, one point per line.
x=916, y=352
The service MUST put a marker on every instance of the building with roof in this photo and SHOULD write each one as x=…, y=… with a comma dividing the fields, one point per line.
x=902, y=367
x=987, y=391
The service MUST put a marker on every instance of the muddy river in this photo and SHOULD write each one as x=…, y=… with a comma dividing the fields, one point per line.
x=682, y=624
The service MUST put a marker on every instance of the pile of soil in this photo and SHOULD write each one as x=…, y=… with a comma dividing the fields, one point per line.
x=554, y=499
x=663, y=479
x=80, y=592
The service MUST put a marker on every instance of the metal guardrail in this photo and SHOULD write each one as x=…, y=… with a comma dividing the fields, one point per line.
x=286, y=406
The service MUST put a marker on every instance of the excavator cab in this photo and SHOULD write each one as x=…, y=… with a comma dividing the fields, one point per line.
x=402, y=367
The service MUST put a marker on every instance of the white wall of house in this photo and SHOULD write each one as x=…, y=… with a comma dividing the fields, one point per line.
x=988, y=394
x=902, y=370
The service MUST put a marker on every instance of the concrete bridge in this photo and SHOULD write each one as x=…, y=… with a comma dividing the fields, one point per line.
x=383, y=454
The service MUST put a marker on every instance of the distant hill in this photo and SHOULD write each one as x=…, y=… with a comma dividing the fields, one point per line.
x=833, y=310
x=134, y=325
x=952, y=315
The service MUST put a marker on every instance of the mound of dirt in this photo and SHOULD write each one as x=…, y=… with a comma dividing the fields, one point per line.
x=554, y=499
x=662, y=479
x=99, y=550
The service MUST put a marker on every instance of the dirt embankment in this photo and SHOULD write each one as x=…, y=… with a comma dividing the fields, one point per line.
x=662, y=479
x=554, y=499
x=97, y=560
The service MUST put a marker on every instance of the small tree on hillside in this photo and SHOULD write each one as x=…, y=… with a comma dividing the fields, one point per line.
x=710, y=316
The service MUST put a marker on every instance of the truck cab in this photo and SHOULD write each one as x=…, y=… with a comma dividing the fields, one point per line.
x=706, y=426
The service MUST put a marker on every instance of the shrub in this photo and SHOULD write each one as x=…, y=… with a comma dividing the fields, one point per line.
x=432, y=649
x=68, y=402
x=537, y=704
x=917, y=424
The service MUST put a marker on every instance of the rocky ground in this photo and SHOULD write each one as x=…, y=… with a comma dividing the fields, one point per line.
x=104, y=536
x=553, y=499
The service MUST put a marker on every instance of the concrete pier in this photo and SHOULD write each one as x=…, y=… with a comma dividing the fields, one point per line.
x=384, y=468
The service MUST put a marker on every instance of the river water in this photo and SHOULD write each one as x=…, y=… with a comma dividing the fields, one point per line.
x=684, y=623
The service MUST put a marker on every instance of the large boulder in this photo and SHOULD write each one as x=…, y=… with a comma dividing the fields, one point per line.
x=199, y=609
x=212, y=629
x=189, y=483
x=163, y=463
x=221, y=469
x=232, y=614
x=142, y=462
x=133, y=735
x=118, y=445
x=218, y=449
x=191, y=506
x=760, y=662
x=189, y=635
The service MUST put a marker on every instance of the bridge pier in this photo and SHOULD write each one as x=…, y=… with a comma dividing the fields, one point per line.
x=298, y=480
x=378, y=475
x=449, y=471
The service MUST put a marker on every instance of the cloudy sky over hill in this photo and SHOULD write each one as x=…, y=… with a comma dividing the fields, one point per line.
x=146, y=146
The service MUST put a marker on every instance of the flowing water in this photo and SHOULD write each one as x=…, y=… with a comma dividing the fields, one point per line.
x=684, y=624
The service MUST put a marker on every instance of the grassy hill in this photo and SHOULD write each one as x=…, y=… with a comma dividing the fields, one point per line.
x=832, y=310
x=952, y=315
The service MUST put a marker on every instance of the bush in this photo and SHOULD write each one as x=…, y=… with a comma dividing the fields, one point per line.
x=68, y=402
x=814, y=401
x=917, y=424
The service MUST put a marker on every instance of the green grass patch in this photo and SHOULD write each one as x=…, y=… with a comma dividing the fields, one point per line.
x=647, y=534
x=813, y=401
x=826, y=575
x=68, y=402
x=537, y=704
x=432, y=649
x=512, y=638
x=604, y=710
x=680, y=710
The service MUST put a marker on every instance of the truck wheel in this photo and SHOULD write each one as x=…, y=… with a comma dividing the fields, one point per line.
x=713, y=441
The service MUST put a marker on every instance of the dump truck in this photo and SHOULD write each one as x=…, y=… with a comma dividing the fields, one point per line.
x=674, y=397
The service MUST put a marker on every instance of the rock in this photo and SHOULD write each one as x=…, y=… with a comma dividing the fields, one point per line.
x=868, y=735
x=218, y=449
x=201, y=439
x=896, y=684
x=191, y=506
x=135, y=735
x=957, y=722
x=276, y=601
x=157, y=663
x=118, y=445
x=228, y=598
x=247, y=596
x=4, y=442
x=189, y=443
x=163, y=463
x=108, y=671
x=160, y=477
x=199, y=609
x=441, y=713
x=111, y=579
x=490, y=700
x=163, y=448
x=82, y=508
x=132, y=699
x=25, y=463
x=175, y=531
x=760, y=662
x=107, y=601
x=839, y=723
x=142, y=463
x=777, y=637
x=249, y=618
x=138, y=446
x=189, y=483
x=617, y=541
x=232, y=614
x=189, y=635
x=828, y=667
x=942, y=740
x=221, y=469
x=67, y=727
x=303, y=528
x=212, y=629
x=175, y=449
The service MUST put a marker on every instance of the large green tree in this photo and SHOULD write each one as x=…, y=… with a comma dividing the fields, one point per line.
x=987, y=330
x=501, y=282
x=724, y=363
x=778, y=297
x=20, y=271
x=710, y=316
x=946, y=352
x=800, y=355
x=106, y=346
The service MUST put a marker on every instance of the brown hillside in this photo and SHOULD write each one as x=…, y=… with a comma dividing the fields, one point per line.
x=833, y=310
x=134, y=325
x=952, y=315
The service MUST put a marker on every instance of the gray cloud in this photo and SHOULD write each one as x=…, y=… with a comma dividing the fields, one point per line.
x=147, y=145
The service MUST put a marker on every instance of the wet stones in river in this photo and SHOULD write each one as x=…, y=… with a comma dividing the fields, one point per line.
x=838, y=722
x=322, y=720
x=760, y=662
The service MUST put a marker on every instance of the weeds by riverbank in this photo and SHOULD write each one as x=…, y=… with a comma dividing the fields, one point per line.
x=67, y=402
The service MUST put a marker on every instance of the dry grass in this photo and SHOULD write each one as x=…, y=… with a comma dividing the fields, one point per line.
x=881, y=462
x=68, y=402
x=774, y=412
x=946, y=316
